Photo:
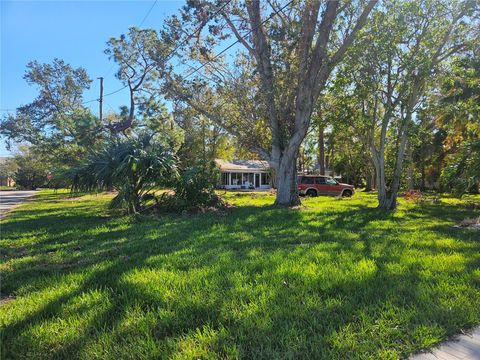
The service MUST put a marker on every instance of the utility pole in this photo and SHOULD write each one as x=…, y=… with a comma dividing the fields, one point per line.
x=100, y=100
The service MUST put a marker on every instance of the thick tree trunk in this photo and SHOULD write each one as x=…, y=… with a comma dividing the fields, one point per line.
x=368, y=178
x=410, y=182
x=287, y=191
x=383, y=201
x=387, y=200
x=321, y=150
x=286, y=172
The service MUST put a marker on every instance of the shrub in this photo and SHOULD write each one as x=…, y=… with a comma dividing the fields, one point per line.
x=414, y=195
x=194, y=189
x=133, y=167
x=31, y=169
x=196, y=184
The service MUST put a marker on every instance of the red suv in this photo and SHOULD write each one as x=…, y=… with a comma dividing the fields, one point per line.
x=314, y=185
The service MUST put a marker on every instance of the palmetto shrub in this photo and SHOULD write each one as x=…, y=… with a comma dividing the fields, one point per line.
x=132, y=166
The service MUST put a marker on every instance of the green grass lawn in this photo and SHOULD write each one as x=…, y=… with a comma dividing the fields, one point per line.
x=334, y=279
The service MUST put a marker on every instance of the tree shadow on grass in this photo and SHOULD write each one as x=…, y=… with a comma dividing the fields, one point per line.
x=266, y=282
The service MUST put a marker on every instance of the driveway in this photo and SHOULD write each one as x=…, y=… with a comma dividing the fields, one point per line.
x=10, y=199
x=463, y=347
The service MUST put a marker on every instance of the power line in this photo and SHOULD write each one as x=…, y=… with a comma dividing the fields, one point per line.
x=238, y=40
x=141, y=23
x=148, y=13
x=275, y=13
x=116, y=91
x=188, y=38
x=171, y=52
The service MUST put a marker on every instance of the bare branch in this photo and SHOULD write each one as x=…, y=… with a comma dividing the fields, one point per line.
x=350, y=37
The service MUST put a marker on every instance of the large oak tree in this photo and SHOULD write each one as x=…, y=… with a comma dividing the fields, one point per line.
x=265, y=89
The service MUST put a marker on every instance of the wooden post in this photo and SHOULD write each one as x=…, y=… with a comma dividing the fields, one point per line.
x=100, y=100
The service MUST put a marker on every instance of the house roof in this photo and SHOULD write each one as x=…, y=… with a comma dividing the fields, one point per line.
x=242, y=165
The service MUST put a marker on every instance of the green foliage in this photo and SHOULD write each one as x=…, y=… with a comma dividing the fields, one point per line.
x=196, y=184
x=139, y=55
x=8, y=168
x=203, y=139
x=132, y=166
x=56, y=118
x=382, y=86
x=462, y=170
x=58, y=129
x=194, y=188
x=31, y=169
x=457, y=107
x=154, y=116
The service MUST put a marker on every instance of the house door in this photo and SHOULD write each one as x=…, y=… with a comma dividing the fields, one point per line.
x=257, y=180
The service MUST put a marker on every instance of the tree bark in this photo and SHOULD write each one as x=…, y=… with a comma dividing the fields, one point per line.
x=378, y=157
x=321, y=150
x=387, y=200
x=410, y=182
x=368, y=178
x=286, y=179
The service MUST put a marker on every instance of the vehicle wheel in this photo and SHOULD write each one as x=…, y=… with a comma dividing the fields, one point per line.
x=347, y=193
x=311, y=192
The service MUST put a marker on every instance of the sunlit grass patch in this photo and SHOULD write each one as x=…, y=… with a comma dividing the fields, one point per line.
x=333, y=279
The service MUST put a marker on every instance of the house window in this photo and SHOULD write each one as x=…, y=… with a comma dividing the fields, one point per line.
x=265, y=179
x=307, y=180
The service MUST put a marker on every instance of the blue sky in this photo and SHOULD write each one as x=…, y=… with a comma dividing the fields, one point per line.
x=75, y=31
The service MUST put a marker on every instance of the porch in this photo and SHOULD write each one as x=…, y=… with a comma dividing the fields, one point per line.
x=244, y=174
x=245, y=180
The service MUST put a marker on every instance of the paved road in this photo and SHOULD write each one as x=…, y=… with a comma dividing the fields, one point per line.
x=10, y=199
x=465, y=347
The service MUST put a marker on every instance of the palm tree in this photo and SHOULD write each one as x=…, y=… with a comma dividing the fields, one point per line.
x=132, y=166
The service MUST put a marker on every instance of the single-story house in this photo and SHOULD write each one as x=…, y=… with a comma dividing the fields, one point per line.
x=244, y=174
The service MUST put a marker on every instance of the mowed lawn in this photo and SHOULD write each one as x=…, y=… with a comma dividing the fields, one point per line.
x=334, y=279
